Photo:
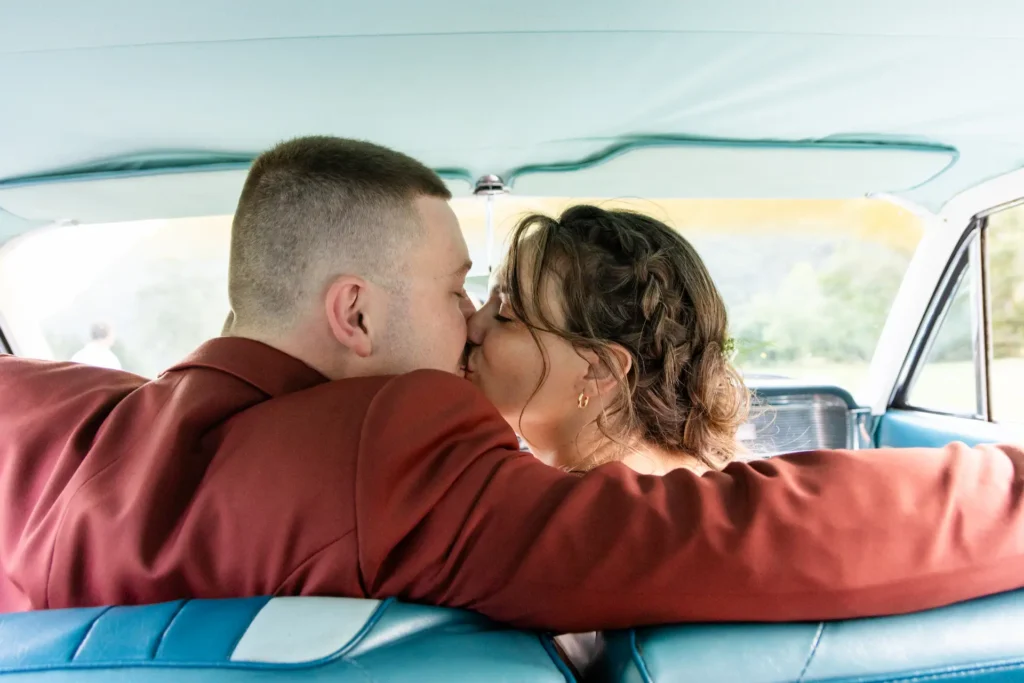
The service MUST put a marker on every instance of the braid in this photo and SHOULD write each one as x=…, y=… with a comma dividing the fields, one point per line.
x=631, y=281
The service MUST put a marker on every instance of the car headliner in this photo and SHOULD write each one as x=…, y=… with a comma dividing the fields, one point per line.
x=116, y=111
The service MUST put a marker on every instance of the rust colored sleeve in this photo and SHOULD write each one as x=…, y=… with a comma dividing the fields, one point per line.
x=448, y=512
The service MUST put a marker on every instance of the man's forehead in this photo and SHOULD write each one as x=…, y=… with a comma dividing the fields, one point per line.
x=456, y=261
x=436, y=263
x=444, y=253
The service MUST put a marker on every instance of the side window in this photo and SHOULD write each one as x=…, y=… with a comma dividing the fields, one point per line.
x=1004, y=252
x=973, y=362
x=947, y=380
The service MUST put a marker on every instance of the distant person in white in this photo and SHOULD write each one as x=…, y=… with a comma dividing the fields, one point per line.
x=97, y=352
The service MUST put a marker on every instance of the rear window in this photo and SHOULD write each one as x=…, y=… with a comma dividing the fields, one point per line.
x=808, y=283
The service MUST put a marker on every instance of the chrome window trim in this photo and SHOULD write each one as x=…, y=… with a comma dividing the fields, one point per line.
x=981, y=343
x=959, y=265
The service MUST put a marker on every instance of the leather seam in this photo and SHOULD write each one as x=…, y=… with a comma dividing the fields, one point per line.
x=378, y=614
x=85, y=636
x=340, y=655
x=241, y=634
x=167, y=627
x=638, y=660
x=814, y=650
x=551, y=648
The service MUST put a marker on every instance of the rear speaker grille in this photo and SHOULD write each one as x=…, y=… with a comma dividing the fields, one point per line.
x=796, y=422
x=793, y=420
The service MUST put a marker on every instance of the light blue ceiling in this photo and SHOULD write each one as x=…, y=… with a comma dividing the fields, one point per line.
x=493, y=87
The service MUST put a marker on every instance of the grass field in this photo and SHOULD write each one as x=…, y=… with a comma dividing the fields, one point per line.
x=944, y=387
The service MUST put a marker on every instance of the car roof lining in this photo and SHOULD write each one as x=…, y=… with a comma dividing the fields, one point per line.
x=510, y=90
x=179, y=185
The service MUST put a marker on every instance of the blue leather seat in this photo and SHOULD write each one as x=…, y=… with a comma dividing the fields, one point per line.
x=981, y=640
x=273, y=640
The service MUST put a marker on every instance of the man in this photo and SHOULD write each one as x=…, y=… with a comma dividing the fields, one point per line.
x=326, y=446
x=98, y=350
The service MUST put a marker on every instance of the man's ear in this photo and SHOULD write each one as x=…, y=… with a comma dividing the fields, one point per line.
x=345, y=305
x=603, y=378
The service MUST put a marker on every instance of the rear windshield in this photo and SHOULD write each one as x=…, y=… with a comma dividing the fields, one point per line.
x=808, y=283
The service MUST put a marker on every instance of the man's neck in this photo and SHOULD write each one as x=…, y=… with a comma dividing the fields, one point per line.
x=302, y=344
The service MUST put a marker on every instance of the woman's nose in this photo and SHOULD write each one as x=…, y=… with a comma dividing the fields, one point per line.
x=467, y=307
x=476, y=327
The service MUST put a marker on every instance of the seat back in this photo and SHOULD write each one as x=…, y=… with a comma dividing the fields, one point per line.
x=973, y=642
x=274, y=640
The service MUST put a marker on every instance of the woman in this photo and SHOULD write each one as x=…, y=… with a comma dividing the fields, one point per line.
x=604, y=340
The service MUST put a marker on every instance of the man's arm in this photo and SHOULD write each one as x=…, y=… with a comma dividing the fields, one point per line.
x=448, y=513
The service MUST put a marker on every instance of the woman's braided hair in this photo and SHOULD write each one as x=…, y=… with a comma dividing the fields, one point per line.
x=629, y=280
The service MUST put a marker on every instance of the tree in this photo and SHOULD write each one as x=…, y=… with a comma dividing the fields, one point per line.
x=1005, y=247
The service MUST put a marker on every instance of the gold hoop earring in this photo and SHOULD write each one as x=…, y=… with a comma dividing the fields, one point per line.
x=583, y=401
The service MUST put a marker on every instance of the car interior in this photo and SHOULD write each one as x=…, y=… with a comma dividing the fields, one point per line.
x=853, y=173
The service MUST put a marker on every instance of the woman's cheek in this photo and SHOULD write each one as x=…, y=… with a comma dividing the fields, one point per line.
x=513, y=372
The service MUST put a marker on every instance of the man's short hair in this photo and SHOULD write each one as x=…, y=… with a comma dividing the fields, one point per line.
x=315, y=207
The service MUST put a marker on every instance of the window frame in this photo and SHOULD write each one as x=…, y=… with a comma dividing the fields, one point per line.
x=955, y=272
x=5, y=345
x=968, y=260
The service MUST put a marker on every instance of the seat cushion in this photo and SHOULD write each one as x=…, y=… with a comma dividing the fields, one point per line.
x=280, y=639
x=977, y=641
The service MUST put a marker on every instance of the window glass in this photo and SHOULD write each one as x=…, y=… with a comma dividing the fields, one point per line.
x=1004, y=242
x=947, y=381
x=808, y=283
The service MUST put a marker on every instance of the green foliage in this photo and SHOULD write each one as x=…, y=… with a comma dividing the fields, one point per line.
x=1005, y=238
x=832, y=301
x=831, y=308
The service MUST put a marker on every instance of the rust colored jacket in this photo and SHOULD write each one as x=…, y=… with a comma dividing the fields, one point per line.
x=244, y=472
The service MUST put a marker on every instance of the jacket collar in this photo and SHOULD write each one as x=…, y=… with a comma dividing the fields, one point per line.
x=271, y=371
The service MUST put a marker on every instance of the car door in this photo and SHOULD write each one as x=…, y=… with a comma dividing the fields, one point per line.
x=963, y=379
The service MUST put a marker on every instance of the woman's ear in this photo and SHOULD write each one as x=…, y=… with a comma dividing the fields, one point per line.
x=604, y=378
x=345, y=306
